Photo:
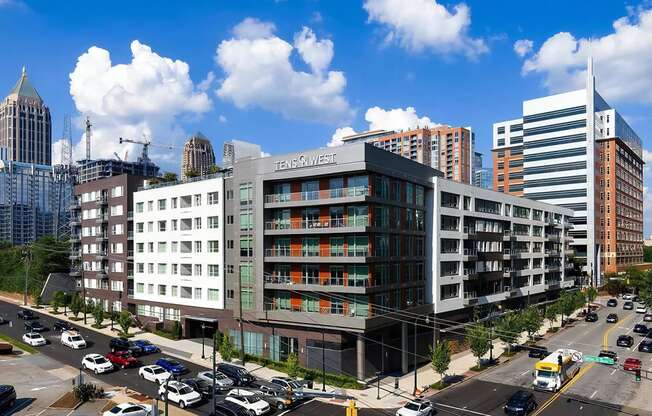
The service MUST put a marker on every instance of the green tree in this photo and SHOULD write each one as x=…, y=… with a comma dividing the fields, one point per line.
x=645, y=288
x=192, y=173
x=552, y=312
x=58, y=300
x=226, y=349
x=176, y=330
x=532, y=321
x=213, y=169
x=477, y=337
x=55, y=305
x=169, y=177
x=590, y=293
x=567, y=304
x=76, y=305
x=508, y=328
x=440, y=359
x=614, y=286
x=98, y=313
x=38, y=301
x=125, y=321
x=647, y=254
x=292, y=365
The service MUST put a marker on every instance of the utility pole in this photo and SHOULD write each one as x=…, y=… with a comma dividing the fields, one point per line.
x=323, y=360
x=83, y=288
x=415, y=357
x=27, y=257
x=214, y=365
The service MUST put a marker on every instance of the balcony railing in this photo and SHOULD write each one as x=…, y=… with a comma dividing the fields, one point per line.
x=102, y=218
x=101, y=200
x=470, y=252
x=317, y=224
x=321, y=194
x=130, y=293
x=320, y=252
x=102, y=236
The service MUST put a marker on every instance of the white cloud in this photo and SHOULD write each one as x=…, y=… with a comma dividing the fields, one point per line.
x=336, y=138
x=206, y=82
x=143, y=97
x=622, y=60
x=259, y=73
x=316, y=17
x=523, y=47
x=419, y=25
x=252, y=28
x=222, y=118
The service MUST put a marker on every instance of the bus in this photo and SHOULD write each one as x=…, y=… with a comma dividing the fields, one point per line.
x=556, y=369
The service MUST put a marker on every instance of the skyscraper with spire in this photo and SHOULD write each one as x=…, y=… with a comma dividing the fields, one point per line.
x=25, y=125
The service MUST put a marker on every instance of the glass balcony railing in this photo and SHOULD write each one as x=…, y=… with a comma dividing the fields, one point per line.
x=320, y=194
x=317, y=252
x=301, y=224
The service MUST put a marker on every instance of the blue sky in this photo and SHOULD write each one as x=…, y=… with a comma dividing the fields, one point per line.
x=459, y=67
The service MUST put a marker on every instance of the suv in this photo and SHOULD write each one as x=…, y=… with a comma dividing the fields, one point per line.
x=7, y=397
x=225, y=408
x=640, y=329
x=612, y=318
x=179, y=393
x=34, y=326
x=278, y=398
x=123, y=344
x=62, y=326
x=222, y=382
x=73, y=339
x=625, y=341
x=416, y=407
x=591, y=317
x=25, y=314
x=628, y=306
x=239, y=375
x=248, y=400
x=612, y=302
x=520, y=404
x=289, y=384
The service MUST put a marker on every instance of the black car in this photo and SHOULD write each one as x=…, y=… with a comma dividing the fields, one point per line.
x=628, y=306
x=608, y=354
x=520, y=404
x=225, y=408
x=62, y=326
x=25, y=314
x=34, y=326
x=612, y=302
x=538, y=352
x=625, y=341
x=612, y=318
x=591, y=317
x=645, y=345
x=202, y=387
x=239, y=375
x=7, y=396
x=123, y=344
x=640, y=329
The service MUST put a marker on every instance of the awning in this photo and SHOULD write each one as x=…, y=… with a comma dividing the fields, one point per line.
x=201, y=318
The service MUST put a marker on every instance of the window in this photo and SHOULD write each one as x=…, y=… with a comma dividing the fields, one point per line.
x=150, y=206
x=310, y=274
x=185, y=269
x=150, y=226
x=197, y=200
x=358, y=275
x=174, y=247
x=197, y=246
x=140, y=287
x=213, y=222
x=309, y=303
x=140, y=267
x=247, y=298
x=213, y=270
x=150, y=289
x=246, y=273
x=162, y=247
x=213, y=295
x=246, y=193
x=186, y=201
x=173, y=203
x=150, y=247
x=117, y=229
x=198, y=293
x=162, y=268
x=212, y=198
x=162, y=204
x=213, y=246
x=140, y=247
x=449, y=291
x=162, y=289
x=175, y=291
x=186, y=247
x=150, y=268
x=197, y=269
x=175, y=268
x=198, y=223
x=116, y=191
x=175, y=225
x=246, y=222
x=116, y=210
x=186, y=292
x=450, y=268
x=162, y=226
x=246, y=247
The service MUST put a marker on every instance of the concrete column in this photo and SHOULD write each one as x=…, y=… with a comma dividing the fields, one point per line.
x=404, y=348
x=360, y=352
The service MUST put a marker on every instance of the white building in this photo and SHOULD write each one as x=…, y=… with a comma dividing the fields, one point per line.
x=178, y=248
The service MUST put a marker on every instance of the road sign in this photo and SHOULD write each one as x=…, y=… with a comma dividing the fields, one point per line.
x=596, y=359
x=576, y=356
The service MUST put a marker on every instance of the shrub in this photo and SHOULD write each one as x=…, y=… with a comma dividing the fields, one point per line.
x=87, y=391
x=292, y=365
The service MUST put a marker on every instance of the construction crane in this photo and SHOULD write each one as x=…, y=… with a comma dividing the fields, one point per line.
x=144, y=157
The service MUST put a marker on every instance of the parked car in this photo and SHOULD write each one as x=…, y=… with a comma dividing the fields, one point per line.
x=7, y=396
x=645, y=346
x=591, y=317
x=416, y=407
x=520, y=404
x=640, y=329
x=222, y=382
x=129, y=409
x=123, y=344
x=25, y=314
x=34, y=339
x=632, y=364
x=609, y=354
x=647, y=317
x=201, y=386
x=625, y=341
x=612, y=303
x=628, y=306
x=96, y=363
x=34, y=326
x=628, y=296
x=641, y=309
x=179, y=393
x=2, y=320
x=146, y=346
x=239, y=375
x=612, y=318
x=154, y=373
x=248, y=400
x=278, y=398
x=73, y=339
x=289, y=385
x=171, y=365
x=226, y=408
x=62, y=326
x=122, y=359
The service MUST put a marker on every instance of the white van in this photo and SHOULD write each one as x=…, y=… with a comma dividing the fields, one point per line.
x=73, y=339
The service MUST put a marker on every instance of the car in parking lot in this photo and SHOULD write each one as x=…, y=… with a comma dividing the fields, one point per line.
x=249, y=401
x=25, y=314
x=238, y=374
x=146, y=346
x=628, y=306
x=645, y=346
x=62, y=326
x=647, y=317
x=200, y=385
x=640, y=329
x=226, y=408
x=96, y=363
x=625, y=341
x=612, y=318
x=591, y=317
x=290, y=385
x=416, y=407
x=7, y=396
x=129, y=409
x=179, y=393
x=272, y=394
x=154, y=373
x=608, y=354
x=171, y=365
x=612, y=302
x=122, y=359
x=641, y=309
x=34, y=326
x=73, y=339
x=34, y=339
x=123, y=344
x=222, y=382
x=520, y=404
x=628, y=296
x=632, y=364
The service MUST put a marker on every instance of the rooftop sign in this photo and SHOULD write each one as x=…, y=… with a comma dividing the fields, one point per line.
x=304, y=161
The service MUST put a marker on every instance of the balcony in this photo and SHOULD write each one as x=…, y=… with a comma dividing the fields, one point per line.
x=470, y=274
x=130, y=254
x=553, y=253
x=130, y=216
x=317, y=255
x=74, y=254
x=101, y=236
x=102, y=218
x=101, y=200
x=553, y=237
x=468, y=230
x=470, y=298
x=130, y=293
x=321, y=195
x=470, y=253
x=328, y=225
x=102, y=273
x=75, y=272
x=130, y=235
x=101, y=255
x=75, y=238
x=75, y=221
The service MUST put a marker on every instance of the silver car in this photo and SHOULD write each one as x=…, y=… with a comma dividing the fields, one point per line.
x=222, y=382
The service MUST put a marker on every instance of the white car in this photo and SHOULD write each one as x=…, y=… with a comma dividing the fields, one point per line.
x=416, y=407
x=249, y=401
x=179, y=393
x=628, y=296
x=129, y=409
x=34, y=339
x=641, y=309
x=154, y=373
x=221, y=380
x=73, y=339
x=96, y=363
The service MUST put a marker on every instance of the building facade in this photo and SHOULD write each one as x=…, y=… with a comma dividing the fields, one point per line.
x=452, y=152
x=411, y=144
x=25, y=125
x=94, y=169
x=484, y=178
x=560, y=151
x=198, y=156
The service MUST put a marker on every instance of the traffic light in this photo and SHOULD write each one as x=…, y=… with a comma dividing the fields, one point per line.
x=638, y=374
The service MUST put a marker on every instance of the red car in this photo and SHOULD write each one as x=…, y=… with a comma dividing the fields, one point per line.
x=122, y=359
x=632, y=364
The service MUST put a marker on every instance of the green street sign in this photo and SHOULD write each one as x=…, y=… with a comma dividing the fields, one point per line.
x=596, y=359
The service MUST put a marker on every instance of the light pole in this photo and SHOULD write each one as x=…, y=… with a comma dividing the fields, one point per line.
x=111, y=316
x=214, y=365
x=416, y=320
x=323, y=361
x=203, y=327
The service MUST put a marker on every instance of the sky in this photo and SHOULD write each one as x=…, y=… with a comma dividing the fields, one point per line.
x=292, y=75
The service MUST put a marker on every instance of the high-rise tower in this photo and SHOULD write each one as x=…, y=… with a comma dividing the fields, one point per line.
x=198, y=156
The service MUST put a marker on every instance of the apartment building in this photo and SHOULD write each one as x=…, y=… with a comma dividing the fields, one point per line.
x=452, y=152
x=493, y=249
x=411, y=144
x=102, y=246
x=563, y=137
x=198, y=157
x=179, y=254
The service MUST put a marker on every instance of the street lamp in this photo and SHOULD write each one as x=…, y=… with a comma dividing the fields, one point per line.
x=203, y=327
x=323, y=361
x=111, y=316
x=214, y=370
x=414, y=393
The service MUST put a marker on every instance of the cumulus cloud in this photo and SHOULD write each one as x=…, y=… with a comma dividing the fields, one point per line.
x=206, y=82
x=142, y=97
x=622, y=60
x=259, y=73
x=523, y=47
x=222, y=118
x=419, y=25
x=381, y=119
x=252, y=28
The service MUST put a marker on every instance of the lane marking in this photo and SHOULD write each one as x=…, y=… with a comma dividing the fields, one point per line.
x=525, y=372
x=612, y=373
x=462, y=409
x=593, y=394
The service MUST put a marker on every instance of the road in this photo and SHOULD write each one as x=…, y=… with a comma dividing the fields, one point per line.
x=98, y=343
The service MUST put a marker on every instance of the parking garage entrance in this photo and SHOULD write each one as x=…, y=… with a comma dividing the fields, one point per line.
x=193, y=327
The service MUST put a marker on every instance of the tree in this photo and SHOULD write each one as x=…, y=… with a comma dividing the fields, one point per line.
x=98, y=313
x=176, y=330
x=614, y=286
x=192, y=173
x=76, y=305
x=292, y=364
x=552, y=311
x=55, y=305
x=532, y=321
x=440, y=359
x=647, y=254
x=125, y=321
x=58, y=299
x=508, y=328
x=645, y=288
x=477, y=337
x=226, y=349
x=38, y=301
x=213, y=169
x=567, y=304
x=169, y=177
x=591, y=293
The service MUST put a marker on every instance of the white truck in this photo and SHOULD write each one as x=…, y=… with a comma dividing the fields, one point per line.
x=556, y=369
x=73, y=339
